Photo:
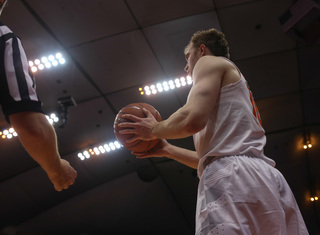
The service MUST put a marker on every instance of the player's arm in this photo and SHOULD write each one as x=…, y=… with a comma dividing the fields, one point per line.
x=193, y=116
x=164, y=149
x=39, y=139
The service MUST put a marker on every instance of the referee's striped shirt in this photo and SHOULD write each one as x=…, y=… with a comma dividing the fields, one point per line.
x=17, y=86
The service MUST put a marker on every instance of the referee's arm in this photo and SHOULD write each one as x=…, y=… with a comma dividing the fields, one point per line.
x=39, y=139
x=23, y=110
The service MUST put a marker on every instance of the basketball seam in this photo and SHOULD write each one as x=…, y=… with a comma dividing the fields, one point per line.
x=134, y=144
x=142, y=107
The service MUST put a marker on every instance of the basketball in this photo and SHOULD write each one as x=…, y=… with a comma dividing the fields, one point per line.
x=135, y=109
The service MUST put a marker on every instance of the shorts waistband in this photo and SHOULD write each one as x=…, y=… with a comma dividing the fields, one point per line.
x=210, y=159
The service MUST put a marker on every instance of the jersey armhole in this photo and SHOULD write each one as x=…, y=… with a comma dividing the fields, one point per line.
x=233, y=65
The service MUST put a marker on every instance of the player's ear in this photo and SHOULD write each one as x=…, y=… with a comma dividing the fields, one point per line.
x=202, y=49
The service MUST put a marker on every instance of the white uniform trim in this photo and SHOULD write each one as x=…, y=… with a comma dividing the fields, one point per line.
x=31, y=84
x=27, y=84
x=10, y=72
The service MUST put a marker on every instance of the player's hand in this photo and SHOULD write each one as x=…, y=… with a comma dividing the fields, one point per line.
x=140, y=127
x=160, y=150
x=64, y=177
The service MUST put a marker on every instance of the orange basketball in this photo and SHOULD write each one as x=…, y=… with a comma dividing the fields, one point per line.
x=135, y=109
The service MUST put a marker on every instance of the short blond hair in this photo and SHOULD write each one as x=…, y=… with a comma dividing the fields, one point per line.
x=213, y=39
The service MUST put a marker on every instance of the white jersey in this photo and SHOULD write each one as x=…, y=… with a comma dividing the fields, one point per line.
x=234, y=127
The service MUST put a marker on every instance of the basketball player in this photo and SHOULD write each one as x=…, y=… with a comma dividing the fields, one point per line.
x=23, y=110
x=240, y=191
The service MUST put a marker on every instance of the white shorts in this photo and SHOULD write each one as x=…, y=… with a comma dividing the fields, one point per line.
x=244, y=195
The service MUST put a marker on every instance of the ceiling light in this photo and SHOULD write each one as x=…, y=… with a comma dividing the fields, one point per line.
x=41, y=66
x=34, y=69
x=52, y=118
x=55, y=63
x=51, y=57
x=44, y=60
x=47, y=62
x=100, y=149
x=165, y=86
x=62, y=61
x=307, y=141
x=313, y=199
x=8, y=134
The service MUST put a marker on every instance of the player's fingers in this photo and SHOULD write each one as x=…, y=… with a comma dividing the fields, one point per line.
x=146, y=112
x=75, y=174
x=127, y=124
x=131, y=117
x=58, y=188
x=132, y=139
x=127, y=131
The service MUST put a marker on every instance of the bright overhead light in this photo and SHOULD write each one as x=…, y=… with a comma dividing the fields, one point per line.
x=62, y=60
x=47, y=62
x=100, y=149
x=58, y=55
x=44, y=60
x=41, y=66
x=165, y=86
x=51, y=57
x=8, y=133
x=55, y=63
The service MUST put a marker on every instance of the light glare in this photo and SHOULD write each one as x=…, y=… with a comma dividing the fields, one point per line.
x=34, y=69
x=46, y=62
x=166, y=85
x=62, y=61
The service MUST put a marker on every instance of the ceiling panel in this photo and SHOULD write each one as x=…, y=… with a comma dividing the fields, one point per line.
x=11, y=153
x=96, y=122
x=311, y=104
x=272, y=74
x=112, y=203
x=26, y=29
x=13, y=208
x=169, y=39
x=229, y=3
x=259, y=32
x=154, y=12
x=309, y=68
x=285, y=147
x=118, y=62
x=62, y=81
x=82, y=21
x=280, y=112
x=182, y=181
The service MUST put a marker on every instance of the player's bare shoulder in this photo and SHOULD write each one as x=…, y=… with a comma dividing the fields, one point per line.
x=210, y=63
x=219, y=67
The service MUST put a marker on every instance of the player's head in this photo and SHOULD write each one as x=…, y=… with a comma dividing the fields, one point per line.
x=205, y=42
x=2, y=5
x=213, y=39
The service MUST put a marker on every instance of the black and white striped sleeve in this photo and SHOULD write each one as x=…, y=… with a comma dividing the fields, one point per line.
x=17, y=85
